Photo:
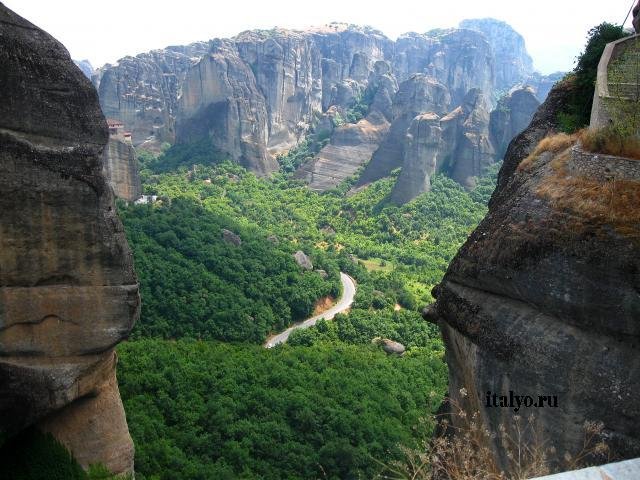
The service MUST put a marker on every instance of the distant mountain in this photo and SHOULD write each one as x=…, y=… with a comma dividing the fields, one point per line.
x=261, y=93
x=86, y=67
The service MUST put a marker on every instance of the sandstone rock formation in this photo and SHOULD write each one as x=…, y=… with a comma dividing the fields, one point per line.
x=457, y=143
x=511, y=116
x=352, y=145
x=86, y=67
x=423, y=149
x=68, y=291
x=221, y=101
x=543, y=298
x=512, y=62
x=142, y=91
x=260, y=93
x=121, y=168
x=303, y=260
x=418, y=94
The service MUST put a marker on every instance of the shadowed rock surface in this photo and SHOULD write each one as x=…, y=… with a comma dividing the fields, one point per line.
x=513, y=64
x=260, y=93
x=512, y=115
x=142, y=91
x=68, y=291
x=121, y=169
x=352, y=145
x=543, y=297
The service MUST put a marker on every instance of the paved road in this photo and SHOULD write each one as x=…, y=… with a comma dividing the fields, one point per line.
x=348, y=292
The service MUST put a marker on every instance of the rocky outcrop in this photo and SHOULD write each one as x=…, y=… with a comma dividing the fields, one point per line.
x=466, y=134
x=419, y=94
x=459, y=59
x=142, y=91
x=86, y=67
x=543, y=298
x=511, y=116
x=352, y=145
x=392, y=347
x=303, y=260
x=280, y=84
x=513, y=64
x=121, y=168
x=423, y=149
x=220, y=100
x=231, y=238
x=542, y=84
x=457, y=143
x=68, y=291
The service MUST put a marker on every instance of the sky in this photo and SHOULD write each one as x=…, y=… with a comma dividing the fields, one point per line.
x=104, y=31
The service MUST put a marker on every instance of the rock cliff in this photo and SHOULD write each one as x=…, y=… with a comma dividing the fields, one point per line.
x=121, y=168
x=511, y=116
x=142, y=91
x=513, y=64
x=68, y=291
x=260, y=93
x=543, y=298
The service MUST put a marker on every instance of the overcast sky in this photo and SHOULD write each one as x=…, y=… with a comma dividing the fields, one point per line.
x=104, y=31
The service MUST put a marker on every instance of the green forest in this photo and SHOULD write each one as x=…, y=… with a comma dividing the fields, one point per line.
x=204, y=399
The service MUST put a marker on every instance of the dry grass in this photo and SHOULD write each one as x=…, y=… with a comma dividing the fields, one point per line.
x=610, y=141
x=553, y=144
x=601, y=200
x=467, y=454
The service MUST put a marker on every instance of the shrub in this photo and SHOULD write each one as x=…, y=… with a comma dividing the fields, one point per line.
x=578, y=111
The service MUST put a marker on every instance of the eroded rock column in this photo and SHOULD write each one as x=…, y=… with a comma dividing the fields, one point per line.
x=68, y=291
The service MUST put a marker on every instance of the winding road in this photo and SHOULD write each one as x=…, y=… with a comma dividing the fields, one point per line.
x=348, y=292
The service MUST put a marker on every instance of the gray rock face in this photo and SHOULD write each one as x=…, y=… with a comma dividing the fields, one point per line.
x=542, y=84
x=231, y=238
x=459, y=59
x=417, y=95
x=512, y=115
x=303, y=260
x=513, y=64
x=543, y=299
x=68, y=291
x=466, y=132
x=220, y=100
x=121, y=168
x=392, y=347
x=423, y=148
x=352, y=145
x=86, y=67
x=279, y=82
x=142, y=91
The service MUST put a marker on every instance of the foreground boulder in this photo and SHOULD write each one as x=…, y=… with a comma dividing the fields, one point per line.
x=543, y=298
x=68, y=291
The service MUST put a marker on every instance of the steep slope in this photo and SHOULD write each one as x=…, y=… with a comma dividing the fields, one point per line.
x=543, y=297
x=68, y=291
x=260, y=93
x=512, y=116
x=513, y=63
x=142, y=91
x=121, y=168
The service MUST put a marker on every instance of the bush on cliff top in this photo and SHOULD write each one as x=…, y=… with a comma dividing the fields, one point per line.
x=577, y=114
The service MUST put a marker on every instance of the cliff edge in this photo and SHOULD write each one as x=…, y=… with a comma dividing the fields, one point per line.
x=543, y=298
x=68, y=290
